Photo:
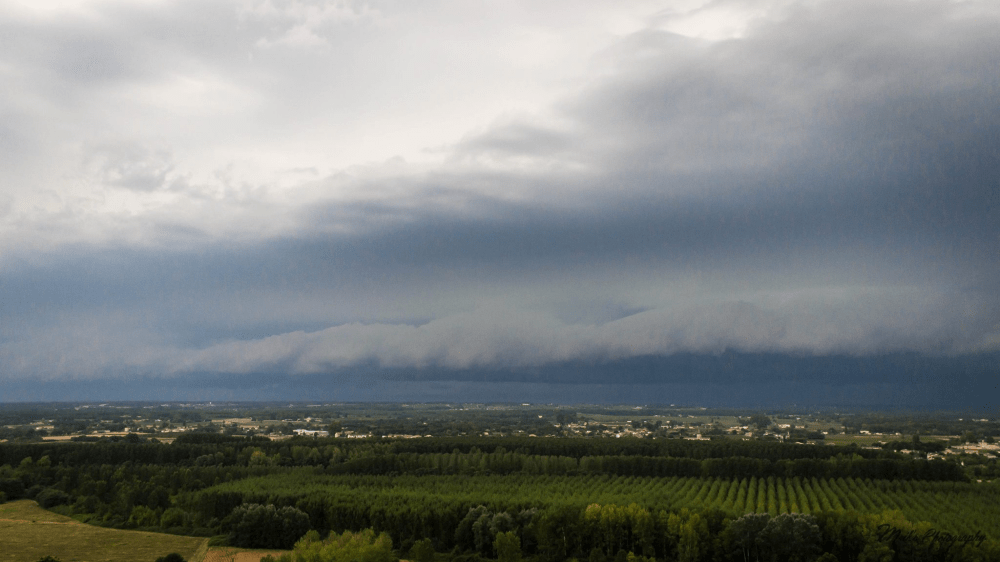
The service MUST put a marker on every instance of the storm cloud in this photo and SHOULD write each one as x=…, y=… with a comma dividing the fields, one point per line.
x=354, y=191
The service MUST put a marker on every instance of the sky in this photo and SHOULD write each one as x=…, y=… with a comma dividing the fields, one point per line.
x=739, y=203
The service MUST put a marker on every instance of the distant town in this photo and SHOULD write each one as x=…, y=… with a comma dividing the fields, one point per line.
x=972, y=441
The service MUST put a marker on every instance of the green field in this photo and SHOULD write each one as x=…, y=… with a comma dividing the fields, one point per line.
x=29, y=532
x=862, y=440
x=955, y=507
x=585, y=498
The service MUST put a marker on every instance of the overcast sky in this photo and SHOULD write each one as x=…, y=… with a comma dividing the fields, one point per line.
x=306, y=189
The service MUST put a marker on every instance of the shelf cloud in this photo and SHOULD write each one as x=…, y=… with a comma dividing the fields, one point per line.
x=311, y=189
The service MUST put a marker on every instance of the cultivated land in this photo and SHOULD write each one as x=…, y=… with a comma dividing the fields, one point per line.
x=954, y=507
x=596, y=483
x=231, y=554
x=30, y=532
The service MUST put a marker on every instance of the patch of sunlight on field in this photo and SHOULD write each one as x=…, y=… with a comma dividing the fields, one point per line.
x=230, y=554
x=27, y=510
x=859, y=440
x=30, y=532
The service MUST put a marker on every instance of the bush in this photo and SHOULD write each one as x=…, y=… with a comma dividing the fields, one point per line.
x=174, y=517
x=422, y=551
x=12, y=487
x=508, y=546
x=172, y=557
x=142, y=516
x=363, y=546
x=50, y=497
x=265, y=526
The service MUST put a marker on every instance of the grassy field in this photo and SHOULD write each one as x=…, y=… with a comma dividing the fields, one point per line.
x=28, y=532
x=230, y=554
x=860, y=440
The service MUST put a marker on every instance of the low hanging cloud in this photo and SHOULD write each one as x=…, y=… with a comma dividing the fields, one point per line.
x=809, y=180
x=844, y=324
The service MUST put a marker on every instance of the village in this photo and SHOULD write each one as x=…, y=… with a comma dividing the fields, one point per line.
x=164, y=422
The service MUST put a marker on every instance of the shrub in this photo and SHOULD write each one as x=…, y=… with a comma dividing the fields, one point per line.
x=363, y=546
x=508, y=546
x=265, y=526
x=174, y=517
x=13, y=487
x=50, y=497
x=422, y=551
x=142, y=516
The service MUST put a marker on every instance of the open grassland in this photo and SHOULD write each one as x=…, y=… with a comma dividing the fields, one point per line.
x=28, y=532
x=230, y=554
x=861, y=440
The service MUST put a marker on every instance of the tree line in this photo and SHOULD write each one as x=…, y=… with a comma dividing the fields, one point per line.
x=627, y=456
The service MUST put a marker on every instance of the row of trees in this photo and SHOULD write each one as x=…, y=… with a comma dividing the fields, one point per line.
x=414, y=507
x=606, y=533
x=476, y=462
x=535, y=456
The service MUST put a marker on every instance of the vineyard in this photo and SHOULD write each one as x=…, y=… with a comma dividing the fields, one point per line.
x=355, y=501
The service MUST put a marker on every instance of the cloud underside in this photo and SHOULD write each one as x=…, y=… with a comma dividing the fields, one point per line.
x=520, y=340
x=824, y=181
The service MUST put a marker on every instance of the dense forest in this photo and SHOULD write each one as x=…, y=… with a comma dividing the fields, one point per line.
x=557, y=498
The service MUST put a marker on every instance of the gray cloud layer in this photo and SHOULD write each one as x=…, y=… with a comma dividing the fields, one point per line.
x=823, y=183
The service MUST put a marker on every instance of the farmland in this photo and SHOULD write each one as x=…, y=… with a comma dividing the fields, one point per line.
x=596, y=484
x=954, y=507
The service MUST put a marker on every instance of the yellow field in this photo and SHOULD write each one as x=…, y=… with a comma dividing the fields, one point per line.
x=228, y=554
x=28, y=532
x=860, y=440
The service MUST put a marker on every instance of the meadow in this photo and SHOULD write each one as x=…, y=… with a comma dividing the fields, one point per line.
x=30, y=533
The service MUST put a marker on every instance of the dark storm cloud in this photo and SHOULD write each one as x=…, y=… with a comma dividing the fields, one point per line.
x=823, y=188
